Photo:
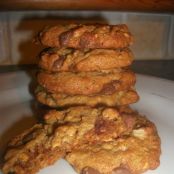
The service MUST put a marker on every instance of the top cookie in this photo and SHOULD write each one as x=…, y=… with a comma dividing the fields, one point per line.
x=86, y=36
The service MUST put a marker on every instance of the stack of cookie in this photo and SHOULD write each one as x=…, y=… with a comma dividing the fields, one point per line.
x=86, y=65
x=86, y=74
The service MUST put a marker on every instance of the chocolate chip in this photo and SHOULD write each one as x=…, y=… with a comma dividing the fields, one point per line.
x=85, y=40
x=59, y=62
x=121, y=170
x=100, y=126
x=110, y=88
x=28, y=138
x=65, y=37
x=130, y=121
x=90, y=170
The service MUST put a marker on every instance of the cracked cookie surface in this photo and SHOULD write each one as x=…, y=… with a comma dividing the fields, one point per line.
x=87, y=83
x=86, y=36
x=100, y=138
x=64, y=100
x=60, y=60
x=133, y=152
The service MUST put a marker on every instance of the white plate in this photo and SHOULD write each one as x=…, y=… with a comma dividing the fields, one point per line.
x=156, y=102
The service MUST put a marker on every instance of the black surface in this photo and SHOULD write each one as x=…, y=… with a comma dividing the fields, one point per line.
x=160, y=68
x=11, y=68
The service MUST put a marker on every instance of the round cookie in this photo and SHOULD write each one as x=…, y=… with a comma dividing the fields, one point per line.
x=61, y=131
x=87, y=83
x=31, y=151
x=86, y=36
x=131, y=153
x=104, y=139
x=59, y=60
x=64, y=100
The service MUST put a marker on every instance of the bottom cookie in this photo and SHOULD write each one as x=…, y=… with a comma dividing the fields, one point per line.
x=103, y=140
x=131, y=154
x=63, y=100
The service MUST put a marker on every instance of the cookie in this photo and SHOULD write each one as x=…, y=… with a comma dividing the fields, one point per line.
x=86, y=36
x=60, y=60
x=61, y=131
x=133, y=152
x=98, y=138
x=29, y=152
x=64, y=100
x=87, y=83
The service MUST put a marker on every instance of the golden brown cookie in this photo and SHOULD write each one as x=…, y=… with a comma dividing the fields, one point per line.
x=59, y=60
x=86, y=36
x=64, y=100
x=86, y=83
x=43, y=144
x=99, y=138
x=32, y=150
x=133, y=152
